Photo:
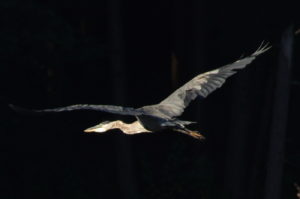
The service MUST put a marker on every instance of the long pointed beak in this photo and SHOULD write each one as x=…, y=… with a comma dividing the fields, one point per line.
x=89, y=130
x=95, y=129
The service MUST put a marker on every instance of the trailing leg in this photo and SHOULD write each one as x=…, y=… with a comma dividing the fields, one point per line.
x=194, y=134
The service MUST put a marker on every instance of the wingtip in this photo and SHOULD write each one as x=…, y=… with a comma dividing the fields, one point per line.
x=15, y=108
x=22, y=110
x=263, y=47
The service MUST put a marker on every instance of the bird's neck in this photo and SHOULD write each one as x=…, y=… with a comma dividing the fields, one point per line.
x=132, y=128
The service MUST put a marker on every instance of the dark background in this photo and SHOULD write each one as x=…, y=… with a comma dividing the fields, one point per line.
x=57, y=53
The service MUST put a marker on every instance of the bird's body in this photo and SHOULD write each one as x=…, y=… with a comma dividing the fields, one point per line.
x=164, y=115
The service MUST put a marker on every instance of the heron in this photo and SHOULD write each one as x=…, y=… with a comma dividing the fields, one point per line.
x=164, y=115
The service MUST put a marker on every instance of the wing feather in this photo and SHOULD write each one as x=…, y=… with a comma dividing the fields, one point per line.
x=105, y=108
x=204, y=84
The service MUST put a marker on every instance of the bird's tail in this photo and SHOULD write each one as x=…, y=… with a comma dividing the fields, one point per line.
x=194, y=134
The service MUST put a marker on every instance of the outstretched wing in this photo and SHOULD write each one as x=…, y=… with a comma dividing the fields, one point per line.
x=105, y=108
x=204, y=84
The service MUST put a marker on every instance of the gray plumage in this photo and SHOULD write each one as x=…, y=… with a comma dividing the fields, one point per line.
x=163, y=115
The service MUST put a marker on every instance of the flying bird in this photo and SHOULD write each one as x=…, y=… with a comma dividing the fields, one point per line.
x=164, y=115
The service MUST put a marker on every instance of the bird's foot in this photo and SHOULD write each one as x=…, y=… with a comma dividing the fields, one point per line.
x=196, y=134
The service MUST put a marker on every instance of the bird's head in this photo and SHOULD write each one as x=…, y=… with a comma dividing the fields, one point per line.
x=100, y=128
